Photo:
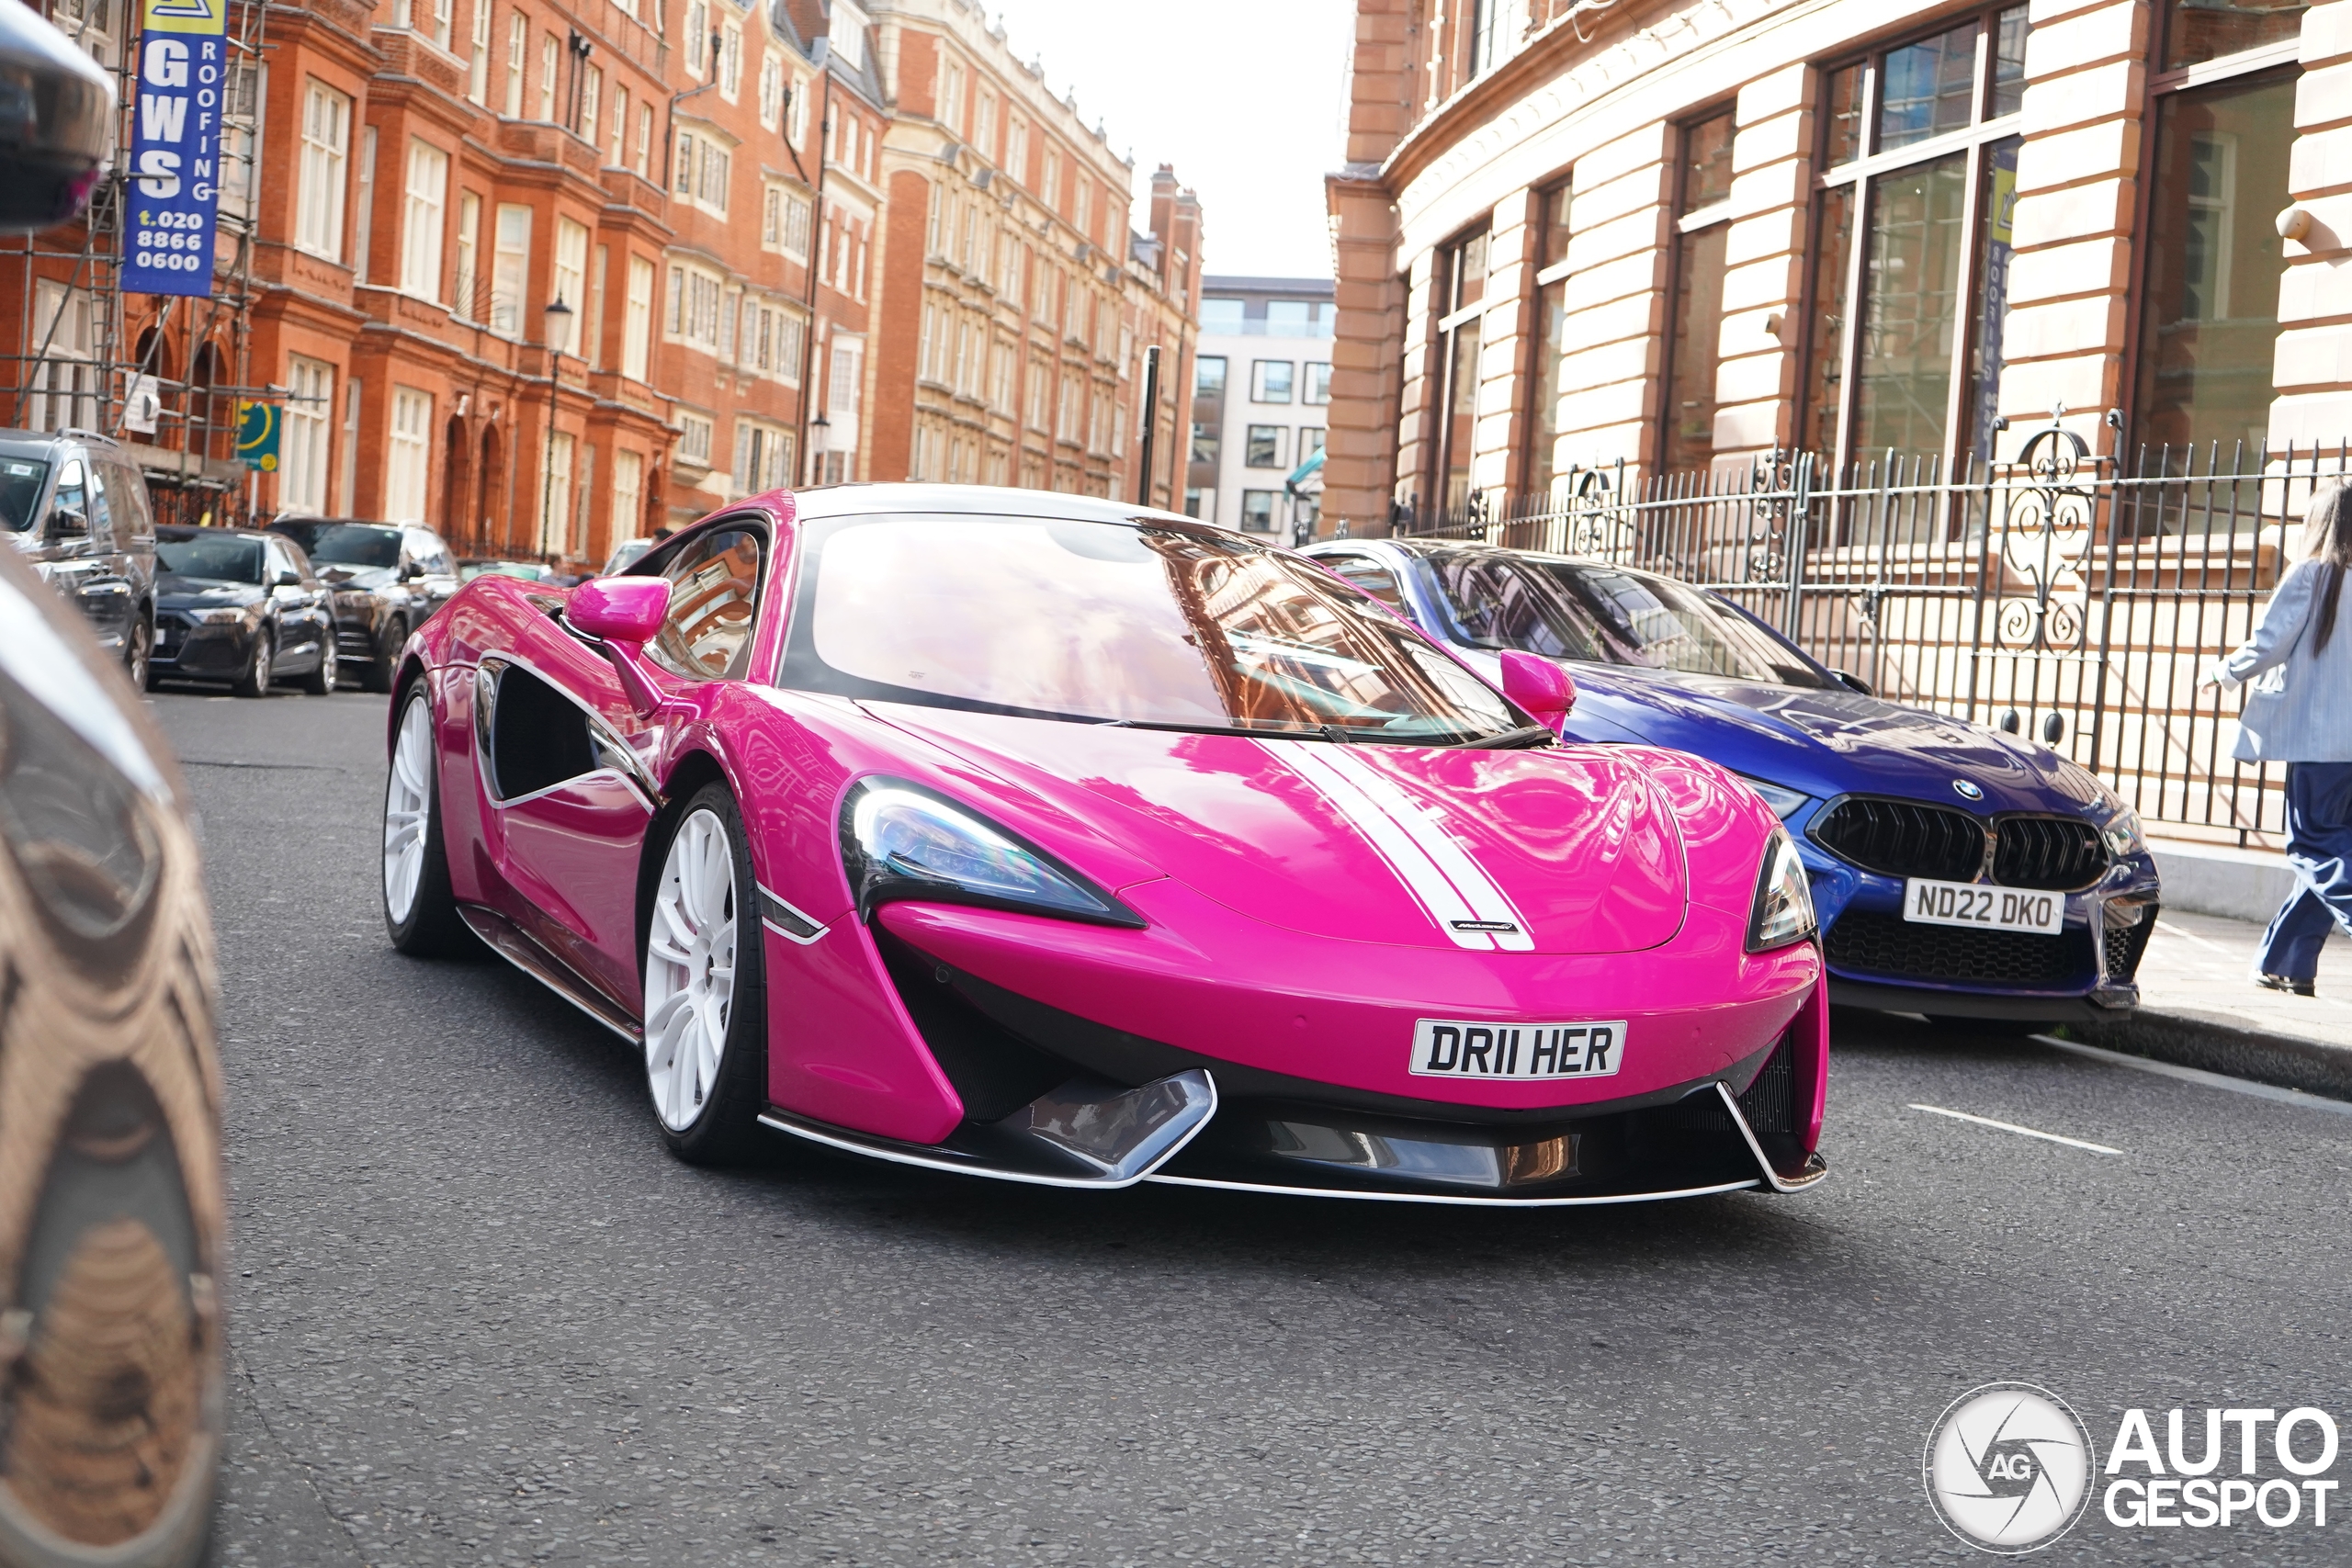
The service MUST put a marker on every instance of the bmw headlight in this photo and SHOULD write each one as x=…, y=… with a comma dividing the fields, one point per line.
x=1782, y=914
x=2123, y=835
x=1785, y=802
x=900, y=840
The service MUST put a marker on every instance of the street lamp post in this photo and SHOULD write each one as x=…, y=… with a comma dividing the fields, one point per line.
x=558, y=315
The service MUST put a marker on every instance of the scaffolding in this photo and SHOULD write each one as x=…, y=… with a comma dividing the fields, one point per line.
x=87, y=357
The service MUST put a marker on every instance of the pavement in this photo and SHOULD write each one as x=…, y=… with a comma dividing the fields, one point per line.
x=2199, y=1007
x=479, y=1316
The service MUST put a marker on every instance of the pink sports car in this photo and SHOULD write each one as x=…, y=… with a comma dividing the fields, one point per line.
x=1046, y=838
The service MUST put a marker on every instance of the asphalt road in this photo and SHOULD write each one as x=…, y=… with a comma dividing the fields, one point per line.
x=479, y=1316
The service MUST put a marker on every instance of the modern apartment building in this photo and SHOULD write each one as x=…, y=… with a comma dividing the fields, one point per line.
x=1260, y=394
x=551, y=274
x=1683, y=235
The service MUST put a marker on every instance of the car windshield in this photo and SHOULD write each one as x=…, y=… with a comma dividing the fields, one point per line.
x=226, y=558
x=1575, y=610
x=347, y=543
x=526, y=569
x=20, y=483
x=1185, y=626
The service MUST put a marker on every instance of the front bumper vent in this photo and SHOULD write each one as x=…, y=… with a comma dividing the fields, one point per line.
x=1864, y=943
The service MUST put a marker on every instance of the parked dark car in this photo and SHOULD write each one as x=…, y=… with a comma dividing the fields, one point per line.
x=112, y=1194
x=77, y=508
x=243, y=606
x=1957, y=871
x=386, y=578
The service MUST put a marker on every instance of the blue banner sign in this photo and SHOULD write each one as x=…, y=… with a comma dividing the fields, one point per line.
x=175, y=159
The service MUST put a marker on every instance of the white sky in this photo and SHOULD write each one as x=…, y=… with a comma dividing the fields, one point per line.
x=1241, y=96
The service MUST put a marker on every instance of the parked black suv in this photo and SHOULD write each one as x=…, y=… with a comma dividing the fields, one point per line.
x=75, y=506
x=386, y=577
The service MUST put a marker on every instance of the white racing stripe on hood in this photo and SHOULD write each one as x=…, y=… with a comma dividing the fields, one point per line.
x=1432, y=863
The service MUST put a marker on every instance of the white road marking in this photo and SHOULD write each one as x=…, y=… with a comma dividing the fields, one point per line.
x=2171, y=930
x=2200, y=1075
x=2013, y=1127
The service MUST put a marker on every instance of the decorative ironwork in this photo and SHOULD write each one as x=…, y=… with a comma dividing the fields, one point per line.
x=2060, y=593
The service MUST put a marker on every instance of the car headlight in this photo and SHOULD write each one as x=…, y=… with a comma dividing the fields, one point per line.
x=1785, y=802
x=2123, y=835
x=1784, y=909
x=900, y=840
x=218, y=617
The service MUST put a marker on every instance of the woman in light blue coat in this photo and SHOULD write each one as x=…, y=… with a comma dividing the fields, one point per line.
x=2299, y=713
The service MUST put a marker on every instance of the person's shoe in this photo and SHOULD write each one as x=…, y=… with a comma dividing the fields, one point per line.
x=2280, y=982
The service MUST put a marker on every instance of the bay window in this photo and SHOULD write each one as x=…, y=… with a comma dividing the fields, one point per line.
x=1911, y=251
x=1687, y=440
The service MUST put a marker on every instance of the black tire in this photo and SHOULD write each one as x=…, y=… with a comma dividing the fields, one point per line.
x=388, y=656
x=139, y=650
x=260, y=666
x=321, y=682
x=433, y=928
x=727, y=1130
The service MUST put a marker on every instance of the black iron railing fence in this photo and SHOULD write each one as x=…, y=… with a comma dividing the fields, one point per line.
x=2054, y=596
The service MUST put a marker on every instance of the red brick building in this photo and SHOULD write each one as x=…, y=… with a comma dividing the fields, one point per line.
x=551, y=275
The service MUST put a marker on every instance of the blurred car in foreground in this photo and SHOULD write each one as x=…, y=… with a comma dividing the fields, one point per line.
x=77, y=507
x=243, y=606
x=112, y=1189
x=1034, y=837
x=387, y=580
x=1958, y=871
x=528, y=570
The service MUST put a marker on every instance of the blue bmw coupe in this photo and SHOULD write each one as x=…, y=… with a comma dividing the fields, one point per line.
x=1957, y=871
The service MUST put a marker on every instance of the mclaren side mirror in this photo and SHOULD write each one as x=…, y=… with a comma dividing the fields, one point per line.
x=627, y=610
x=1852, y=682
x=623, y=613
x=1541, y=688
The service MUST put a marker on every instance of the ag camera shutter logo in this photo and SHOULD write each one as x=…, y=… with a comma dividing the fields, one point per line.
x=2008, y=1468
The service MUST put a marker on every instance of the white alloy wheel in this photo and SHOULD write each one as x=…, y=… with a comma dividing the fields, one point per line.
x=690, y=970
x=408, y=805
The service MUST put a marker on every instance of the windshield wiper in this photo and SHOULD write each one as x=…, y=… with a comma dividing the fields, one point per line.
x=1527, y=738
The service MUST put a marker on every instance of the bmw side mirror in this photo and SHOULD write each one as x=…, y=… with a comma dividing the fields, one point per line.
x=1854, y=683
x=1541, y=688
x=67, y=523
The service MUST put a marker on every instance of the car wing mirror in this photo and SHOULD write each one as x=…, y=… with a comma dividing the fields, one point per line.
x=1541, y=688
x=1847, y=679
x=286, y=580
x=623, y=613
x=66, y=523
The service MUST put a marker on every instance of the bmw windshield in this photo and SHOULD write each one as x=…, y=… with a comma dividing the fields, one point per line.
x=1152, y=624
x=1603, y=615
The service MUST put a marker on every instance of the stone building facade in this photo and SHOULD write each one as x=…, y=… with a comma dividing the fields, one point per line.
x=549, y=276
x=1685, y=235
